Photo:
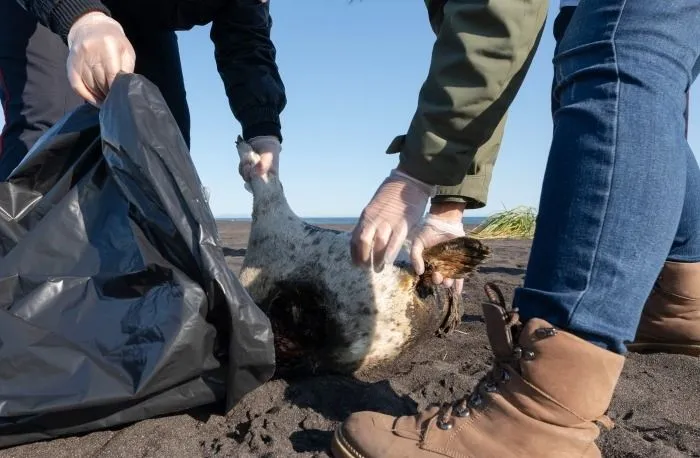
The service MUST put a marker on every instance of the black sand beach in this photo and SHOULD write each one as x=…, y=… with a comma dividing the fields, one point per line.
x=656, y=406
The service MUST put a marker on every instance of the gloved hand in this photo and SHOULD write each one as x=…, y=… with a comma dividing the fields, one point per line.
x=433, y=231
x=393, y=211
x=98, y=50
x=269, y=148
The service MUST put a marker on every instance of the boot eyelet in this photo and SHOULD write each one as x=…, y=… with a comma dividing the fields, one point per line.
x=517, y=353
x=545, y=332
x=444, y=425
x=529, y=355
x=475, y=401
x=491, y=387
x=505, y=376
x=462, y=412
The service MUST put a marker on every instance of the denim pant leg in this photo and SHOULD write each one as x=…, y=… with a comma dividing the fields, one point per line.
x=561, y=22
x=686, y=245
x=616, y=177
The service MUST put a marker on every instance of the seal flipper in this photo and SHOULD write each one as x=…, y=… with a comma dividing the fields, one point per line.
x=456, y=258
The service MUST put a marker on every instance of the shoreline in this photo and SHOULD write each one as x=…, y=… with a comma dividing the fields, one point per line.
x=655, y=406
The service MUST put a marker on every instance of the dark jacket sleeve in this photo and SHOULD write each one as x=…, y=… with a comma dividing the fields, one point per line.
x=245, y=58
x=59, y=15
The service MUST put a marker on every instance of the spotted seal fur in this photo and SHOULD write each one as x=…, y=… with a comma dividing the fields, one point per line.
x=328, y=315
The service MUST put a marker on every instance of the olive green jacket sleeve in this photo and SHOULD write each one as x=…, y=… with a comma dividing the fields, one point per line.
x=473, y=191
x=481, y=54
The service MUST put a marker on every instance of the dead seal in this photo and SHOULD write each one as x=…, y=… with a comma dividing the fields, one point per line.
x=328, y=315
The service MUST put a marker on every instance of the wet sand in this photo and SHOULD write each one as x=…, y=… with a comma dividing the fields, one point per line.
x=656, y=406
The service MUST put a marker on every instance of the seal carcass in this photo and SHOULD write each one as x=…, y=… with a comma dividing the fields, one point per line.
x=328, y=315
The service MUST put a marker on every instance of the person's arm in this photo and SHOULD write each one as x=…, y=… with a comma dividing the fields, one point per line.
x=480, y=56
x=245, y=58
x=59, y=15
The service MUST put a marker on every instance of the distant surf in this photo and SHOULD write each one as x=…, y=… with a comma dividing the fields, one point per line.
x=349, y=221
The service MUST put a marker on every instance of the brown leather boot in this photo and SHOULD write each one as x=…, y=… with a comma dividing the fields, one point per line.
x=670, y=321
x=542, y=397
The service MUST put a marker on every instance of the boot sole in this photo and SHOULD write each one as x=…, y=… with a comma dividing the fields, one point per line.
x=340, y=447
x=679, y=349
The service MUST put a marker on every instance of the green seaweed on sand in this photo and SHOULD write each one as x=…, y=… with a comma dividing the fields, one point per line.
x=518, y=222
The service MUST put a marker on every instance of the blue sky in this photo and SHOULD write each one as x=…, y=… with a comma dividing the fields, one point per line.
x=352, y=73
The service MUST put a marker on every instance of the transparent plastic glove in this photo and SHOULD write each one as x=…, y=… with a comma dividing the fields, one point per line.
x=268, y=147
x=394, y=210
x=435, y=230
x=98, y=50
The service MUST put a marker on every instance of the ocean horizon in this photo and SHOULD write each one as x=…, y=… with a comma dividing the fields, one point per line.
x=336, y=220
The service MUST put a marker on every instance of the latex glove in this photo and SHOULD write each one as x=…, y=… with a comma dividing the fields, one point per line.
x=433, y=231
x=393, y=211
x=268, y=147
x=98, y=50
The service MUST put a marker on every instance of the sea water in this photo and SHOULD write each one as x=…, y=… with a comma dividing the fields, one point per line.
x=350, y=221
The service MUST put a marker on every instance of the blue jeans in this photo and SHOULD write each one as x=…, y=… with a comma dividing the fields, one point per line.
x=621, y=191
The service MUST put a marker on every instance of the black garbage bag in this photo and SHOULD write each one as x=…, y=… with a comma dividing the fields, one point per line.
x=116, y=304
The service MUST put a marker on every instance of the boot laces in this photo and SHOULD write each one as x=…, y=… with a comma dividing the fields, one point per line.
x=498, y=375
x=503, y=364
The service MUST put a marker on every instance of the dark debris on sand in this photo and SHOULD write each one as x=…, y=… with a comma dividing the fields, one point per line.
x=656, y=406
